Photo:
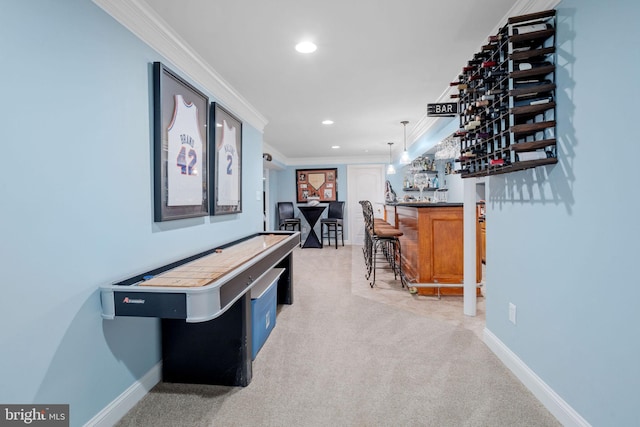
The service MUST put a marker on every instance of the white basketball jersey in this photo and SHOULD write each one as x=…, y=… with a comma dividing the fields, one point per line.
x=184, y=165
x=228, y=191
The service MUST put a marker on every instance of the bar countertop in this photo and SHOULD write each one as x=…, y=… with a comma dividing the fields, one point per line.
x=425, y=204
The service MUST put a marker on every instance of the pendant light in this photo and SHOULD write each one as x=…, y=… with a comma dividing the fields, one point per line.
x=390, y=169
x=405, y=159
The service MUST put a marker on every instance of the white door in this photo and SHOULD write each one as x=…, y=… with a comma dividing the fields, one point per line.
x=365, y=182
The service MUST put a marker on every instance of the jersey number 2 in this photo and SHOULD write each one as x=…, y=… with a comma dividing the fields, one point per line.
x=229, y=163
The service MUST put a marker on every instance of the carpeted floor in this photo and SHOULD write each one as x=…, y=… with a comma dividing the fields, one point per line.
x=347, y=355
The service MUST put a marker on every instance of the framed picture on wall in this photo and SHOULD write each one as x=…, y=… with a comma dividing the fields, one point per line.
x=226, y=161
x=318, y=184
x=180, y=119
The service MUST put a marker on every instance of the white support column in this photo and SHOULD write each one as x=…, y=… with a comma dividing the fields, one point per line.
x=469, y=216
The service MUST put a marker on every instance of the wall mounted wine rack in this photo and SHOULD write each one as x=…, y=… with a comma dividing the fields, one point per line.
x=507, y=98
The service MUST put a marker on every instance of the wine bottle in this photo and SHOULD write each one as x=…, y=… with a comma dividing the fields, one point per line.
x=520, y=84
x=496, y=112
x=531, y=28
x=469, y=90
x=482, y=55
x=534, y=100
x=522, y=66
x=531, y=155
x=496, y=109
x=490, y=47
x=471, y=108
x=520, y=49
x=496, y=73
x=471, y=125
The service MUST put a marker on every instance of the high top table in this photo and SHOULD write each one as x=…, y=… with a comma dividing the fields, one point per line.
x=312, y=214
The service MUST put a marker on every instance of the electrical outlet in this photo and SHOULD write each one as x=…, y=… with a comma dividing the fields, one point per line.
x=512, y=313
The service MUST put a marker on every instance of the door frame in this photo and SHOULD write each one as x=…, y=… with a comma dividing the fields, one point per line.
x=353, y=198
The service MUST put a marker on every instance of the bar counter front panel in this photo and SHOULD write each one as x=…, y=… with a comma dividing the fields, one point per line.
x=432, y=244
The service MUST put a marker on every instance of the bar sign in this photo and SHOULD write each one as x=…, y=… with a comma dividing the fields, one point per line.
x=442, y=109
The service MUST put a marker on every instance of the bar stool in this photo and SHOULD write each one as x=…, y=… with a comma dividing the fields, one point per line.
x=383, y=237
x=286, y=217
x=333, y=222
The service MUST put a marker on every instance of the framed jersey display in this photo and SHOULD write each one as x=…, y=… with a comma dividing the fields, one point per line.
x=226, y=161
x=180, y=118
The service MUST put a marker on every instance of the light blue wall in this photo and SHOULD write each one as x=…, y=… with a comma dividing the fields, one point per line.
x=76, y=186
x=283, y=188
x=77, y=211
x=562, y=242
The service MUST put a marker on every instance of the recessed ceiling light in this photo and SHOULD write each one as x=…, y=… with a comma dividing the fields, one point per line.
x=335, y=147
x=327, y=122
x=306, y=47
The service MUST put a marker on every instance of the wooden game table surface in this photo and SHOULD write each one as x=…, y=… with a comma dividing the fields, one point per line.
x=207, y=269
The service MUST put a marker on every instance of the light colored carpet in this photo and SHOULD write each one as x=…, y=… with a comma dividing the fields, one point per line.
x=347, y=355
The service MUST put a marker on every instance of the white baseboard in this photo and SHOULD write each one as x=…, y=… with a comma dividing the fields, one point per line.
x=545, y=394
x=114, y=411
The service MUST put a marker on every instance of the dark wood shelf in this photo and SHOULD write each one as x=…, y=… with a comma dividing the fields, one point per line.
x=531, y=110
x=533, y=53
x=532, y=90
x=535, y=35
x=513, y=167
x=532, y=145
x=531, y=17
x=531, y=128
x=539, y=71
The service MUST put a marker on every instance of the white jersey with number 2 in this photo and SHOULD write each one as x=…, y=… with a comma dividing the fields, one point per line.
x=228, y=191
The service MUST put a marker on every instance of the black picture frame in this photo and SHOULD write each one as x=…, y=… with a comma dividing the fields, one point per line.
x=317, y=184
x=180, y=147
x=225, y=157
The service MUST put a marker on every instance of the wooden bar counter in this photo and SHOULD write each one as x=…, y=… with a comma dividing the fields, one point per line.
x=432, y=244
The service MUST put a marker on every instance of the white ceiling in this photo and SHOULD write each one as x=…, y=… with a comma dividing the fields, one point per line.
x=378, y=62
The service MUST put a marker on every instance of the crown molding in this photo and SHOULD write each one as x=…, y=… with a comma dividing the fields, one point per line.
x=521, y=7
x=148, y=26
x=275, y=154
x=304, y=161
x=328, y=160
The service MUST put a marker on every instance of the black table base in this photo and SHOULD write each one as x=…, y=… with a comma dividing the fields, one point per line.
x=312, y=214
